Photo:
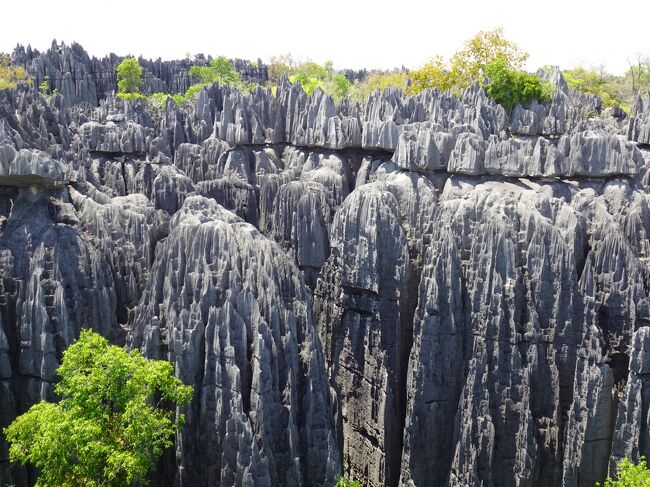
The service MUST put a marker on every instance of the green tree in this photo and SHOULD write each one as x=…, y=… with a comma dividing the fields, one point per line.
x=308, y=83
x=279, y=66
x=129, y=77
x=10, y=75
x=434, y=74
x=468, y=65
x=508, y=86
x=629, y=475
x=597, y=82
x=340, y=86
x=115, y=418
x=219, y=70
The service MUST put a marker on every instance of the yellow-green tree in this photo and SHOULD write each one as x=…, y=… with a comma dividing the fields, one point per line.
x=468, y=65
x=279, y=66
x=434, y=74
x=129, y=78
x=10, y=75
x=115, y=418
x=630, y=475
x=219, y=70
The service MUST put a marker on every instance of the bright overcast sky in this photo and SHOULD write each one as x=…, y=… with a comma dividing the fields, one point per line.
x=352, y=33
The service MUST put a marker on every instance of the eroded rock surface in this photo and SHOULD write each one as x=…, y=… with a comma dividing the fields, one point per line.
x=413, y=291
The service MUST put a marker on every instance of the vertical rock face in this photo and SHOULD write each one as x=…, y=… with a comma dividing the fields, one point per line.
x=401, y=291
x=361, y=302
x=498, y=322
x=229, y=308
x=632, y=432
x=53, y=282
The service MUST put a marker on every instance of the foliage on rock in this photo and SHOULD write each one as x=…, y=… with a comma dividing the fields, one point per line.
x=629, y=474
x=12, y=76
x=116, y=417
x=129, y=78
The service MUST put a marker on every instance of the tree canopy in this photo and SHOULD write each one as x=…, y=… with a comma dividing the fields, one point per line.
x=115, y=418
x=129, y=78
x=630, y=475
x=218, y=70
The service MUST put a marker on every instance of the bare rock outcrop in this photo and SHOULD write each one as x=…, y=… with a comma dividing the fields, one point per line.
x=239, y=326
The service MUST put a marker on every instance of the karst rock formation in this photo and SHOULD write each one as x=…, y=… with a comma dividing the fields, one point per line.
x=414, y=291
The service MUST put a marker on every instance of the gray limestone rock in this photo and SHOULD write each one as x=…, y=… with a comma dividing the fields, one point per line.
x=113, y=138
x=639, y=127
x=361, y=304
x=632, y=433
x=415, y=290
x=239, y=327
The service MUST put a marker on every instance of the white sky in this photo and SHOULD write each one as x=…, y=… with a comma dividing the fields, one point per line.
x=352, y=33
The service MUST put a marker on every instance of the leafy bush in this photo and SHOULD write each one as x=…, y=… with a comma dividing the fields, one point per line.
x=219, y=70
x=129, y=77
x=308, y=83
x=360, y=91
x=280, y=66
x=343, y=482
x=434, y=74
x=44, y=86
x=468, y=66
x=10, y=75
x=340, y=86
x=486, y=55
x=630, y=475
x=508, y=86
x=596, y=82
x=115, y=418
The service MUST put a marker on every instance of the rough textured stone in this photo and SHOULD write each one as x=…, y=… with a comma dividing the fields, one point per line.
x=410, y=291
x=239, y=320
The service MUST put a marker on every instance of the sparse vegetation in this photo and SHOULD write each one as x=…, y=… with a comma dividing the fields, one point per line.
x=115, y=418
x=343, y=482
x=361, y=90
x=44, y=86
x=629, y=475
x=12, y=76
x=490, y=60
x=219, y=70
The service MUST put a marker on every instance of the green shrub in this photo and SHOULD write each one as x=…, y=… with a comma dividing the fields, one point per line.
x=610, y=89
x=10, y=75
x=343, y=482
x=629, y=475
x=308, y=83
x=508, y=86
x=219, y=70
x=129, y=76
x=340, y=86
x=115, y=418
x=44, y=86
x=360, y=91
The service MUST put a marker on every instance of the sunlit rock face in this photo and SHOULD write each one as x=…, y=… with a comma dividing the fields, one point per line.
x=416, y=291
